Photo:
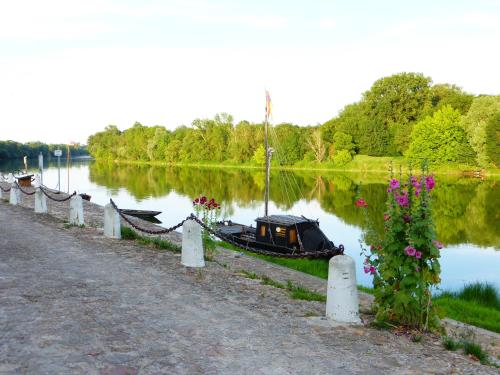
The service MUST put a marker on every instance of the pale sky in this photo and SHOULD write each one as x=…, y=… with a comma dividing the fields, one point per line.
x=69, y=68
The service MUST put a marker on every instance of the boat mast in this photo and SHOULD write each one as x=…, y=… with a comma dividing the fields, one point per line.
x=268, y=152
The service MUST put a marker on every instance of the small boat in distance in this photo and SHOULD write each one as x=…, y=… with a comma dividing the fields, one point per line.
x=284, y=234
x=144, y=214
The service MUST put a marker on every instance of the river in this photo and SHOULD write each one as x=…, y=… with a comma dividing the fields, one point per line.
x=466, y=210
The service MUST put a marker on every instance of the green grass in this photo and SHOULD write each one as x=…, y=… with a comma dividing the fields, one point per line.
x=477, y=304
x=295, y=291
x=450, y=344
x=474, y=349
x=155, y=242
x=482, y=293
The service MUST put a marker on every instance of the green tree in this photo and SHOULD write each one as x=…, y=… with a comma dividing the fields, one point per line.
x=481, y=111
x=396, y=102
x=445, y=94
x=259, y=155
x=493, y=140
x=342, y=142
x=440, y=138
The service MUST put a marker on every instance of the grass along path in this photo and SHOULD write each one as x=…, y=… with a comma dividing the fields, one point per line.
x=476, y=304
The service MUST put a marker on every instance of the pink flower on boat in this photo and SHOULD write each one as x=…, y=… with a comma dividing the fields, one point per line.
x=366, y=269
x=394, y=183
x=418, y=254
x=410, y=251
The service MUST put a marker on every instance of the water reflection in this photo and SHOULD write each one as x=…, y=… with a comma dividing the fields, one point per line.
x=464, y=210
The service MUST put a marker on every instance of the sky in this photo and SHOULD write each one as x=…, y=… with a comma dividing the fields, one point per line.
x=70, y=68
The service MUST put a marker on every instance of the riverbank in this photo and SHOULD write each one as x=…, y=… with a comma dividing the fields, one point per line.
x=93, y=304
x=363, y=164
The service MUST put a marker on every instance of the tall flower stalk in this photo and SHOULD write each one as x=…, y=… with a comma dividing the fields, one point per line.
x=404, y=262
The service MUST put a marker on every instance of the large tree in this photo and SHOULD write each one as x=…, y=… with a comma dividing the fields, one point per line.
x=483, y=108
x=440, y=138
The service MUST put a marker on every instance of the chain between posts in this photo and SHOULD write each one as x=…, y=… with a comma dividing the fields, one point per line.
x=55, y=199
x=317, y=254
x=23, y=191
x=4, y=190
x=135, y=226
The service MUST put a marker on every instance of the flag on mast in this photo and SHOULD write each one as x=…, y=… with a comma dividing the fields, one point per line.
x=268, y=104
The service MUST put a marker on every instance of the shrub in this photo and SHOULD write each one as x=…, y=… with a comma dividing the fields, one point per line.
x=342, y=157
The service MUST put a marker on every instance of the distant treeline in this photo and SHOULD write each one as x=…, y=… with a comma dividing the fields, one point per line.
x=404, y=114
x=14, y=150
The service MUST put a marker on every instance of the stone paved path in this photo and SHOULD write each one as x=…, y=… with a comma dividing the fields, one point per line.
x=73, y=302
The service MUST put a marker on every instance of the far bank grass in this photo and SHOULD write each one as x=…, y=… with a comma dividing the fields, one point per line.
x=475, y=304
x=364, y=164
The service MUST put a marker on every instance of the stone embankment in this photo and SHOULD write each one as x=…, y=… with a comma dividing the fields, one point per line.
x=75, y=302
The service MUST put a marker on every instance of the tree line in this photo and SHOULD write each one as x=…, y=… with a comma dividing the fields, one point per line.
x=400, y=115
x=15, y=150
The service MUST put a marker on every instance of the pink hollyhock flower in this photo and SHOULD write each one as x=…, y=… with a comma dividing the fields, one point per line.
x=386, y=217
x=418, y=254
x=203, y=200
x=417, y=269
x=410, y=251
x=429, y=183
x=389, y=190
x=372, y=270
x=361, y=203
x=438, y=244
x=417, y=191
x=366, y=269
x=403, y=200
x=367, y=261
x=394, y=183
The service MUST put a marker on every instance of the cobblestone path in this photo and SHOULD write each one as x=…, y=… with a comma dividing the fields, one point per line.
x=73, y=302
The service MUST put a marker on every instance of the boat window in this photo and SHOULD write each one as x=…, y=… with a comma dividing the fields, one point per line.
x=292, y=236
x=262, y=230
x=280, y=232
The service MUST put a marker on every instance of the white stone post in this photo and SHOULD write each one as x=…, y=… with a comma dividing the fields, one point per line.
x=40, y=199
x=76, y=210
x=192, y=245
x=342, y=301
x=15, y=193
x=111, y=222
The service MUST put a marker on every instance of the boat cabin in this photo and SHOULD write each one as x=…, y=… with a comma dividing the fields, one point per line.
x=290, y=231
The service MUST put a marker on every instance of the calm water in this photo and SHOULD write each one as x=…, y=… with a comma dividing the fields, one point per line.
x=466, y=211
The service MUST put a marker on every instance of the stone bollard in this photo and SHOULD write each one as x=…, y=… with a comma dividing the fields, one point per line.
x=40, y=202
x=342, y=302
x=111, y=222
x=15, y=193
x=40, y=199
x=76, y=210
x=192, y=245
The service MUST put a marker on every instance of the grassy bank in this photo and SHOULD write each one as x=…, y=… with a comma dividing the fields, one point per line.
x=477, y=304
x=360, y=163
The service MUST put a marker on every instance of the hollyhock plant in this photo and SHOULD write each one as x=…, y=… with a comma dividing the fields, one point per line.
x=406, y=267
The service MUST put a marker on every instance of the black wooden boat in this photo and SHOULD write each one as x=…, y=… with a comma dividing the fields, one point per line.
x=144, y=214
x=285, y=234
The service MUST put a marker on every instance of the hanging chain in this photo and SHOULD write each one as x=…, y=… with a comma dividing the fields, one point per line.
x=24, y=191
x=161, y=231
x=55, y=199
x=5, y=190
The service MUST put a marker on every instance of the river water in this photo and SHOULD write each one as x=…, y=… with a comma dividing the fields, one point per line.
x=466, y=211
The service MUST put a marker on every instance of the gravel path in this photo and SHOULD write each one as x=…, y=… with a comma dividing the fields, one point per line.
x=74, y=302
